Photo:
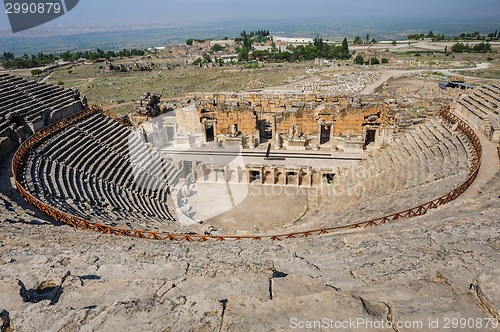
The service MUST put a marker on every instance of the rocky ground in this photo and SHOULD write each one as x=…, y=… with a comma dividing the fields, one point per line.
x=411, y=275
x=439, y=272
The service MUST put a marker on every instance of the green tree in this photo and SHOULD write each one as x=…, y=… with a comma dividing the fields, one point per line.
x=318, y=43
x=416, y=36
x=198, y=62
x=459, y=47
x=7, y=56
x=274, y=49
x=357, y=40
x=243, y=54
x=262, y=55
x=439, y=37
x=344, y=54
x=247, y=42
x=482, y=47
x=216, y=48
x=206, y=57
x=359, y=60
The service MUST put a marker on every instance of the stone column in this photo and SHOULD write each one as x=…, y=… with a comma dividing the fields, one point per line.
x=214, y=124
x=331, y=133
x=248, y=176
x=318, y=143
x=277, y=141
x=273, y=127
x=204, y=130
x=364, y=136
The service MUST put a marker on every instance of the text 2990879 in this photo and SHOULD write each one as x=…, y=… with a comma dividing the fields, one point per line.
x=33, y=8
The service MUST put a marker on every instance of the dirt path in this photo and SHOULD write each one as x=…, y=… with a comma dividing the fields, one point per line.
x=384, y=76
x=489, y=165
x=46, y=78
x=387, y=74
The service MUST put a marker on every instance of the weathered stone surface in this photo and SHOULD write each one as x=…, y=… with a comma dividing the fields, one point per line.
x=487, y=291
x=403, y=271
x=418, y=270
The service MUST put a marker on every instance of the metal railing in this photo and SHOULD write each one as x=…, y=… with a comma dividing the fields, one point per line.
x=29, y=145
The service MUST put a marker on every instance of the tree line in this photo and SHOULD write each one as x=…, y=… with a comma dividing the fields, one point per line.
x=481, y=47
x=317, y=49
x=9, y=61
x=358, y=40
x=263, y=33
x=463, y=36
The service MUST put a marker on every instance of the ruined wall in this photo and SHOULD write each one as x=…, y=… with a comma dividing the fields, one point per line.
x=349, y=114
x=352, y=120
x=187, y=119
x=266, y=102
x=307, y=121
x=245, y=120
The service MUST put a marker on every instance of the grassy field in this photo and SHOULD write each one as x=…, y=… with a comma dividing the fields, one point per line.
x=491, y=73
x=105, y=88
x=119, y=90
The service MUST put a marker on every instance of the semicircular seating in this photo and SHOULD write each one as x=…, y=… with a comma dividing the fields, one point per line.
x=27, y=106
x=104, y=172
x=423, y=163
x=480, y=107
x=90, y=170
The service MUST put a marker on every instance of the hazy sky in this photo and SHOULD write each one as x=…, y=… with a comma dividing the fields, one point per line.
x=89, y=13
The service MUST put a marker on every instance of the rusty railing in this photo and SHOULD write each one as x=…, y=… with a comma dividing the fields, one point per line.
x=28, y=146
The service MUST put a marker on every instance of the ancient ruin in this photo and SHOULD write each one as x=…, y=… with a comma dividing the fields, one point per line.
x=160, y=176
x=315, y=171
x=26, y=107
x=480, y=108
x=294, y=121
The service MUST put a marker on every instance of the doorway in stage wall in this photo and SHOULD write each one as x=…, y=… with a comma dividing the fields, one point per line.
x=325, y=134
x=268, y=130
x=209, y=132
x=170, y=133
x=370, y=136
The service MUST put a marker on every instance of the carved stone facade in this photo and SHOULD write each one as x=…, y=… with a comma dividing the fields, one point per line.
x=294, y=121
x=288, y=121
x=304, y=176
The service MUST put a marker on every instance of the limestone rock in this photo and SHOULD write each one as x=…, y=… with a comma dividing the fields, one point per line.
x=487, y=291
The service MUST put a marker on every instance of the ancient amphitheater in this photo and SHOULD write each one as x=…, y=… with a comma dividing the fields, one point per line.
x=248, y=211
